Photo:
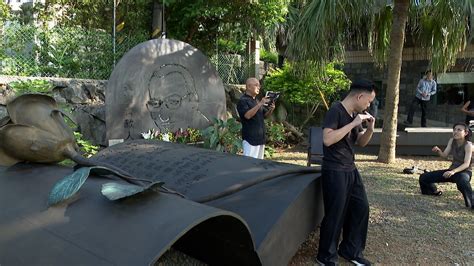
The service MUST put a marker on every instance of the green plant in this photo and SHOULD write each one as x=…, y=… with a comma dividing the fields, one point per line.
x=223, y=136
x=189, y=135
x=268, y=56
x=275, y=133
x=86, y=146
x=269, y=152
x=313, y=88
x=229, y=46
x=65, y=51
x=31, y=86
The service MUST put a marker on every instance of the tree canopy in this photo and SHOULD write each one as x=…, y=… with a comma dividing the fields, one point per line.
x=325, y=29
x=199, y=22
x=313, y=89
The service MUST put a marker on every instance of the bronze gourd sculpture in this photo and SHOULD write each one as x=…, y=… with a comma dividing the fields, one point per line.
x=36, y=132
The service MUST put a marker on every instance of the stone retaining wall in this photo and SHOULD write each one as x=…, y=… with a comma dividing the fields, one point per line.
x=86, y=99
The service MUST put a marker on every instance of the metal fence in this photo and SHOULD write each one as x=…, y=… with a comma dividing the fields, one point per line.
x=74, y=52
x=234, y=68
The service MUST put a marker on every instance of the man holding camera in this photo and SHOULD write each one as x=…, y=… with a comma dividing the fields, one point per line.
x=252, y=114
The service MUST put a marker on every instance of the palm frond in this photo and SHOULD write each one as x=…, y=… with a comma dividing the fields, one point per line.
x=443, y=29
x=325, y=27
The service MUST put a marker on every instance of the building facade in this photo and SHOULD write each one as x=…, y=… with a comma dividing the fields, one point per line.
x=454, y=87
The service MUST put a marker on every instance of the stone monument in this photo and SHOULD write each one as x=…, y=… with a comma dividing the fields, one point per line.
x=165, y=85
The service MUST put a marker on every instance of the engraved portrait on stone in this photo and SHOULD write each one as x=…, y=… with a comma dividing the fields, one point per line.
x=164, y=85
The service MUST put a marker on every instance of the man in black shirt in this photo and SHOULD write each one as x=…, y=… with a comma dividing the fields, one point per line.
x=345, y=201
x=252, y=114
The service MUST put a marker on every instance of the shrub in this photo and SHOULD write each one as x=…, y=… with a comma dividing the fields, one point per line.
x=223, y=136
x=268, y=56
x=31, y=86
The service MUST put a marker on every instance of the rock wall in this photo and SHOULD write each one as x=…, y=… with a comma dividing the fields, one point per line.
x=85, y=99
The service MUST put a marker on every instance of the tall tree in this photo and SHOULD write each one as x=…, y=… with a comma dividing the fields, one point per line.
x=201, y=22
x=327, y=27
x=132, y=15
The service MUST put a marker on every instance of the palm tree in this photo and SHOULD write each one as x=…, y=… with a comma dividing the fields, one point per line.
x=327, y=27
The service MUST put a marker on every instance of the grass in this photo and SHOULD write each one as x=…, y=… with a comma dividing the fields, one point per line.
x=405, y=227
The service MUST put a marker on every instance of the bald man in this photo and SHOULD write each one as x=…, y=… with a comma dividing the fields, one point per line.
x=252, y=113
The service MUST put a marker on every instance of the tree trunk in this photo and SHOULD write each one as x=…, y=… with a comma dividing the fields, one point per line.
x=158, y=21
x=397, y=38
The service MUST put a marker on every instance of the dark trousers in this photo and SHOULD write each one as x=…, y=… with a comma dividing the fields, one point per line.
x=411, y=111
x=345, y=207
x=462, y=179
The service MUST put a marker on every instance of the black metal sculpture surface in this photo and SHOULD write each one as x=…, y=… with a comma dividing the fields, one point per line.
x=260, y=224
x=163, y=84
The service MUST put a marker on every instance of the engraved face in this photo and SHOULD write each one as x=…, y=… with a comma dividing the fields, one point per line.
x=172, y=98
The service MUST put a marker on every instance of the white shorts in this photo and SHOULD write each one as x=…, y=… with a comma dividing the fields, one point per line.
x=253, y=151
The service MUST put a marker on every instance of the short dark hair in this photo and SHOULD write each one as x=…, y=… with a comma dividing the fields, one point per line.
x=362, y=85
x=428, y=71
x=466, y=127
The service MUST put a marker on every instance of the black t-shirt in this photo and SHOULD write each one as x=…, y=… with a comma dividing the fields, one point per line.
x=253, y=129
x=340, y=155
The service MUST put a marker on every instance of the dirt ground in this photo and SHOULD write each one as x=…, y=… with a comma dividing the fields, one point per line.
x=405, y=227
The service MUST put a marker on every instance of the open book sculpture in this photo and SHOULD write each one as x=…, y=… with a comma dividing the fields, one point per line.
x=218, y=208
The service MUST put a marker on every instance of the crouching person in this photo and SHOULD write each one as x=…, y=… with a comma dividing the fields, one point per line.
x=459, y=146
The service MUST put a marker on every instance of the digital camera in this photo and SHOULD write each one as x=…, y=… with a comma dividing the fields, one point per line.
x=272, y=95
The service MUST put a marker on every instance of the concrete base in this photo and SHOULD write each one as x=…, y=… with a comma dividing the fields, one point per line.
x=412, y=141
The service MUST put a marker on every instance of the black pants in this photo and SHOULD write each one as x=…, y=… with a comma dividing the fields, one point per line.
x=462, y=179
x=345, y=207
x=411, y=111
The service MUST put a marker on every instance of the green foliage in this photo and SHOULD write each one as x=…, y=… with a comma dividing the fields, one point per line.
x=73, y=52
x=325, y=28
x=229, y=46
x=269, y=152
x=276, y=137
x=197, y=22
x=86, y=146
x=189, y=135
x=313, y=88
x=133, y=15
x=80, y=45
x=31, y=86
x=223, y=136
x=304, y=89
x=275, y=133
x=4, y=12
x=443, y=29
x=268, y=56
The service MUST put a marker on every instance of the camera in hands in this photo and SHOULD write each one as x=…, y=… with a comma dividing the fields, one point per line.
x=272, y=95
